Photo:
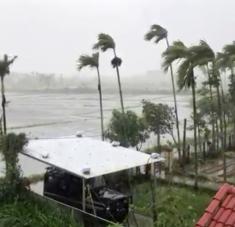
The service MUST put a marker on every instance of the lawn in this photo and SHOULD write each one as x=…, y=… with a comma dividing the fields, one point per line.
x=176, y=206
x=30, y=212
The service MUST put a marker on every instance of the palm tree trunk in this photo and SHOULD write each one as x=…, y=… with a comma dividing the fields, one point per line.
x=224, y=114
x=176, y=109
x=119, y=84
x=232, y=74
x=199, y=139
x=184, y=142
x=101, y=104
x=217, y=135
x=153, y=194
x=221, y=130
x=159, y=141
x=212, y=108
x=232, y=81
x=195, y=131
x=3, y=105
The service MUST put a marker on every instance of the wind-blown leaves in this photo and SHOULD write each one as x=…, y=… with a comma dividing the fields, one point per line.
x=116, y=62
x=87, y=60
x=229, y=49
x=174, y=52
x=224, y=61
x=4, y=65
x=104, y=43
x=202, y=54
x=157, y=33
x=184, y=74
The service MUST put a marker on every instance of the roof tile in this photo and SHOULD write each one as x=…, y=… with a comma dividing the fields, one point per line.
x=225, y=215
x=213, y=224
x=204, y=220
x=221, y=210
x=218, y=214
x=213, y=206
x=231, y=220
x=221, y=194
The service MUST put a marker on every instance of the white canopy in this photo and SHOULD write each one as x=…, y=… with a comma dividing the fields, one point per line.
x=85, y=157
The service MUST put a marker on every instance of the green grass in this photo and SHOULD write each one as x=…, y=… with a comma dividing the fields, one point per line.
x=176, y=206
x=30, y=212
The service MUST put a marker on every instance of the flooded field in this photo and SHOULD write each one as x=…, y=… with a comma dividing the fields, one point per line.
x=63, y=114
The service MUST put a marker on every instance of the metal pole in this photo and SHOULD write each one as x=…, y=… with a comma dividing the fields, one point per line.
x=83, y=195
x=153, y=188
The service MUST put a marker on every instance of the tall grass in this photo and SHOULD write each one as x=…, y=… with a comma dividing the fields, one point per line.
x=29, y=211
x=176, y=206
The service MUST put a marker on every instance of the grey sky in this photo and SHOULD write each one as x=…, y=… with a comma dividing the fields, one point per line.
x=49, y=35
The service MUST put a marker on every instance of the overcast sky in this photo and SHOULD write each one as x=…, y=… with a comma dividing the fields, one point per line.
x=49, y=35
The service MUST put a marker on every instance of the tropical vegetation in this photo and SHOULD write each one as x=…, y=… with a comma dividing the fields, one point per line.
x=197, y=68
x=93, y=62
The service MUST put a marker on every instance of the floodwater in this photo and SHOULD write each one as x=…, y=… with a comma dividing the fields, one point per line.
x=46, y=115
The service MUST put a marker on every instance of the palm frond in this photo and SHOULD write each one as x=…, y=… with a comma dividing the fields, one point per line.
x=5, y=65
x=178, y=43
x=104, y=42
x=229, y=49
x=183, y=73
x=202, y=53
x=87, y=60
x=174, y=52
x=224, y=61
x=116, y=62
x=156, y=32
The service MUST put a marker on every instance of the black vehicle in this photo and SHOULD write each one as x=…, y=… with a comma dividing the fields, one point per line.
x=104, y=202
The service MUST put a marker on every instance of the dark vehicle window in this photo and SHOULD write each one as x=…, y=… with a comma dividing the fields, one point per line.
x=97, y=182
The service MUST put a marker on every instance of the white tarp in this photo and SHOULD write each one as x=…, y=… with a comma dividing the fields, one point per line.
x=77, y=154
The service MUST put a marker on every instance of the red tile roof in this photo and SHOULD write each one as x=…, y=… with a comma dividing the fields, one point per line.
x=221, y=210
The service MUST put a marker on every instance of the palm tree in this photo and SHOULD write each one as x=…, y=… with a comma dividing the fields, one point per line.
x=229, y=50
x=104, y=43
x=206, y=56
x=93, y=62
x=225, y=61
x=186, y=79
x=4, y=70
x=159, y=33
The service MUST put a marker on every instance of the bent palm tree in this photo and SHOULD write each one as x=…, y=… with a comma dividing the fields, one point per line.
x=159, y=33
x=186, y=79
x=4, y=70
x=93, y=62
x=206, y=56
x=104, y=43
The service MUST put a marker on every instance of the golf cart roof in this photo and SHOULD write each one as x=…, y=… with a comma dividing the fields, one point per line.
x=86, y=157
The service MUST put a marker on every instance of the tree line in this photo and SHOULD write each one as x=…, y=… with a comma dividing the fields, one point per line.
x=212, y=105
x=213, y=112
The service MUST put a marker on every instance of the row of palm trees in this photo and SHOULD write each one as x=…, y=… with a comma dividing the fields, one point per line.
x=189, y=59
x=104, y=43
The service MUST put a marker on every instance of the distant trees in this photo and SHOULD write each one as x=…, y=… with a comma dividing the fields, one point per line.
x=4, y=70
x=93, y=62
